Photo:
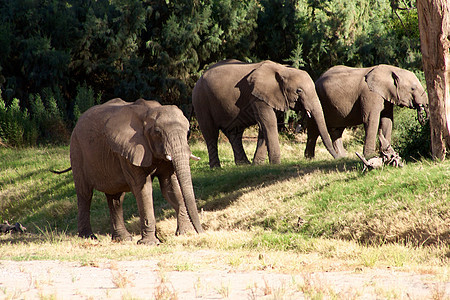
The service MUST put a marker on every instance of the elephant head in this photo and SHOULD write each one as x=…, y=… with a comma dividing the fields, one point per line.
x=146, y=132
x=400, y=87
x=284, y=87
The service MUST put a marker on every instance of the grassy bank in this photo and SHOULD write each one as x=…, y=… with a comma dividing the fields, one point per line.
x=327, y=207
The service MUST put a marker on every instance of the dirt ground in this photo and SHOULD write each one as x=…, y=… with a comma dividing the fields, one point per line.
x=146, y=279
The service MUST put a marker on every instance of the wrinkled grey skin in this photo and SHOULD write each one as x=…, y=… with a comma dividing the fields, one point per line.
x=232, y=95
x=353, y=96
x=119, y=147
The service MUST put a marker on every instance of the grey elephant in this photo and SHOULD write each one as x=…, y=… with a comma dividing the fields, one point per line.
x=119, y=147
x=353, y=96
x=233, y=95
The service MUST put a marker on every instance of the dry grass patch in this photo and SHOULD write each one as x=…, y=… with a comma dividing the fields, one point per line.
x=252, y=206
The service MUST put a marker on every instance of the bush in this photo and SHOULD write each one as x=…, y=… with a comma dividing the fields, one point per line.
x=44, y=123
x=48, y=120
x=84, y=100
x=411, y=139
x=16, y=128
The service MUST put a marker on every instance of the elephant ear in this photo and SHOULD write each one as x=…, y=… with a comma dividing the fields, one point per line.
x=266, y=84
x=384, y=81
x=124, y=131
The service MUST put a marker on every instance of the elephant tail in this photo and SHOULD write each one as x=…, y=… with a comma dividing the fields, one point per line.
x=63, y=171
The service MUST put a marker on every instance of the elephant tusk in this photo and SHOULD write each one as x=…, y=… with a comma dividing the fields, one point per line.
x=168, y=157
x=309, y=114
x=193, y=157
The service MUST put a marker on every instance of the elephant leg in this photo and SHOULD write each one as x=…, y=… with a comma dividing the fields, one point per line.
x=261, y=149
x=266, y=118
x=171, y=191
x=235, y=138
x=386, y=128
x=386, y=121
x=386, y=131
x=312, y=135
x=336, y=137
x=141, y=187
x=213, y=152
x=211, y=134
x=144, y=200
x=371, y=126
x=84, y=200
x=146, y=214
x=119, y=232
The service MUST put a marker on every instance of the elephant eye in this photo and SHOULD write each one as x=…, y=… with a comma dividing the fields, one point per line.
x=157, y=131
x=299, y=91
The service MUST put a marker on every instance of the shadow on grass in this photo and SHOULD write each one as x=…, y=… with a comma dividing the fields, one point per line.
x=25, y=238
x=33, y=196
x=20, y=177
x=218, y=188
x=55, y=205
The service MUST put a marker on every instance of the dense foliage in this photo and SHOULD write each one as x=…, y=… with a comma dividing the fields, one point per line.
x=71, y=54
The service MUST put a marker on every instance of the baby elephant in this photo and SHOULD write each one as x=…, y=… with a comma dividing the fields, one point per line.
x=119, y=147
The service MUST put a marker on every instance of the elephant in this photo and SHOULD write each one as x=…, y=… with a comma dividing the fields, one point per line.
x=232, y=95
x=353, y=96
x=119, y=146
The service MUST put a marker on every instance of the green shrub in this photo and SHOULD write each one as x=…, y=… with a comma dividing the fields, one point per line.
x=411, y=139
x=48, y=120
x=16, y=128
x=84, y=99
x=43, y=124
x=38, y=109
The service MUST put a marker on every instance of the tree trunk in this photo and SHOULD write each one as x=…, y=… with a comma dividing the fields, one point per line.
x=434, y=26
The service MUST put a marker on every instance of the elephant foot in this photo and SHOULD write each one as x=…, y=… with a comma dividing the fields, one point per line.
x=214, y=165
x=341, y=154
x=370, y=155
x=275, y=161
x=87, y=236
x=149, y=241
x=309, y=156
x=185, y=228
x=259, y=161
x=242, y=162
x=121, y=237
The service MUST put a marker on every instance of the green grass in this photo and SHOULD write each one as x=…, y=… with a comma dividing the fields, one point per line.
x=345, y=214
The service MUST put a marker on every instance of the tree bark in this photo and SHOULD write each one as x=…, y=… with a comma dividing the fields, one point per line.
x=434, y=26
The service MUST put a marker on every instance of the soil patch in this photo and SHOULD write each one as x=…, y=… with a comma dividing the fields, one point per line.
x=148, y=279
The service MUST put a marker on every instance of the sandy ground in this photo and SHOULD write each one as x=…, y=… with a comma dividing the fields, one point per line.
x=145, y=279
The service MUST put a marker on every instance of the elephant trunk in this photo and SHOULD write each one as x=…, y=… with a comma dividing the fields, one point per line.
x=420, y=103
x=317, y=114
x=180, y=158
x=422, y=114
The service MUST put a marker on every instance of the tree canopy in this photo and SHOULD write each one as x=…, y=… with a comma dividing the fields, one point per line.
x=76, y=52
